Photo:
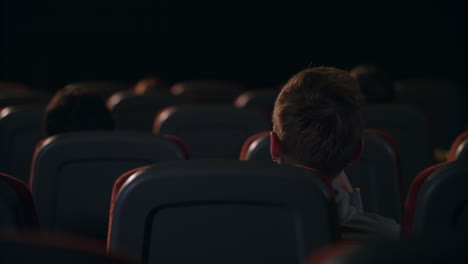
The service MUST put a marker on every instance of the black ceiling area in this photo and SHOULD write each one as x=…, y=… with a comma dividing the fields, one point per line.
x=47, y=44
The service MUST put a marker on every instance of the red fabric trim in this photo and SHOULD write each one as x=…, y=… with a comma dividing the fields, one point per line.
x=31, y=221
x=115, y=190
x=161, y=116
x=394, y=144
x=36, y=152
x=180, y=143
x=410, y=205
x=455, y=144
x=248, y=142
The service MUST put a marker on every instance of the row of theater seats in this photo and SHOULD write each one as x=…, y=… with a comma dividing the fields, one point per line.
x=417, y=125
x=443, y=103
x=213, y=131
x=80, y=204
x=65, y=165
x=205, y=210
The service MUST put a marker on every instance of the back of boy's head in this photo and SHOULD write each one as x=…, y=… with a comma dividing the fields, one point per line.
x=317, y=119
x=74, y=109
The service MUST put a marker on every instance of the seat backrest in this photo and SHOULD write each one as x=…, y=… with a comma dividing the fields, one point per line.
x=73, y=175
x=210, y=131
x=437, y=202
x=54, y=249
x=376, y=173
x=257, y=147
x=137, y=112
x=20, y=131
x=207, y=91
x=17, y=209
x=103, y=88
x=459, y=148
x=211, y=210
x=263, y=100
x=410, y=129
x=444, y=102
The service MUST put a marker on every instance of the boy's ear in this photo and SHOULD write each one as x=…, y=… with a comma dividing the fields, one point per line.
x=275, y=149
x=358, y=152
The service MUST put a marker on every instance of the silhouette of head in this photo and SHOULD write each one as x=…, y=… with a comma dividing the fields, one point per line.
x=75, y=109
x=375, y=83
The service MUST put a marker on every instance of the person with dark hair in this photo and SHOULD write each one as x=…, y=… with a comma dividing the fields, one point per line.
x=74, y=109
x=375, y=83
x=317, y=125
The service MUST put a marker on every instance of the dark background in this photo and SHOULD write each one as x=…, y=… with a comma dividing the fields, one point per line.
x=48, y=44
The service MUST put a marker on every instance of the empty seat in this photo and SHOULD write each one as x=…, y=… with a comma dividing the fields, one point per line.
x=73, y=175
x=459, y=148
x=137, y=112
x=437, y=200
x=55, y=249
x=17, y=209
x=262, y=100
x=221, y=210
x=210, y=131
x=207, y=91
x=20, y=131
x=444, y=102
x=376, y=173
x=411, y=131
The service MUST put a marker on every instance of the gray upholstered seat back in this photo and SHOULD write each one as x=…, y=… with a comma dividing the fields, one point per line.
x=212, y=211
x=20, y=131
x=376, y=173
x=210, y=131
x=73, y=175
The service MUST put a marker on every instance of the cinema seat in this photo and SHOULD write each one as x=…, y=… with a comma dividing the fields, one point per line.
x=443, y=101
x=210, y=131
x=410, y=128
x=459, y=148
x=257, y=147
x=17, y=211
x=103, y=88
x=137, y=112
x=55, y=249
x=227, y=211
x=376, y=173
x=437, y=200
x=262, y=100
x=20, y=131
x=73, y=175
x=207, y=91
